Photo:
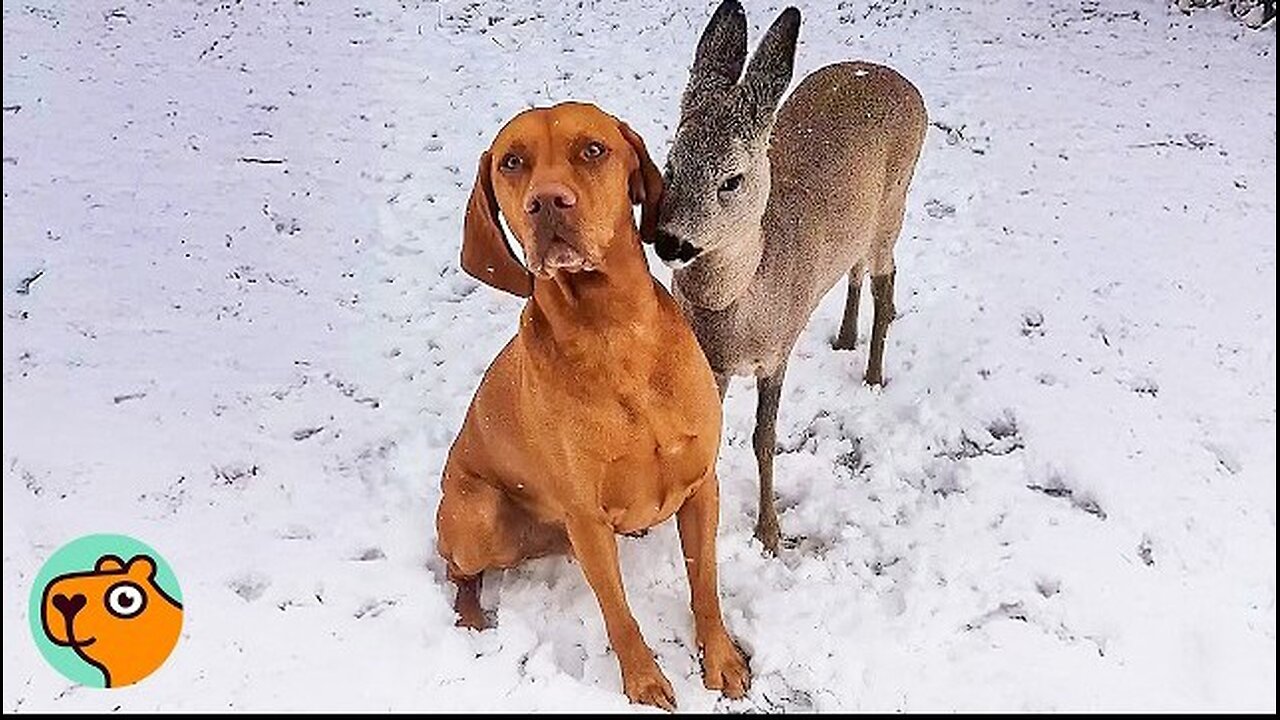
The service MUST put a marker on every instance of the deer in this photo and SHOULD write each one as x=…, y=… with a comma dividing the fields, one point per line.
x=765, y=208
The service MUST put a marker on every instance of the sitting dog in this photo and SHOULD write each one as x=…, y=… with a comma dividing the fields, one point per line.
x=601, y=416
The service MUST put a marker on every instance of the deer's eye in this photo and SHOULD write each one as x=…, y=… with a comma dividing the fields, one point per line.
x=731, y=183
x=511, y=162
x=593, y=151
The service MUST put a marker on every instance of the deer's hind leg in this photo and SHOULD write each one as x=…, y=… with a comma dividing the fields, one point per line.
x=882, y=293
x=847, y=338
x=883, y=271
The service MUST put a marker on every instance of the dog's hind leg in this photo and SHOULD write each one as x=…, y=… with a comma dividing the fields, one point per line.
x=479, y=528
x=464, y=520
x=467, y=602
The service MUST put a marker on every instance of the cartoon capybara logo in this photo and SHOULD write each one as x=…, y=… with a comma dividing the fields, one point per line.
x=115, y=617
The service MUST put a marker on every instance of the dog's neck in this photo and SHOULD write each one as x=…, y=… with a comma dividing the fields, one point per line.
x=580, y=306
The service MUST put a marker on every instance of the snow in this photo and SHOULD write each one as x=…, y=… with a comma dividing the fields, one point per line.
x=250, y=345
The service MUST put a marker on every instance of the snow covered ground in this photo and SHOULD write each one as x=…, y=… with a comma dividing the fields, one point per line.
x=1065, y=497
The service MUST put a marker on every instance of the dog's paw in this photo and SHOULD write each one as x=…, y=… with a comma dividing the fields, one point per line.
x=724, y=668
x=648, y=686
x=473, y=618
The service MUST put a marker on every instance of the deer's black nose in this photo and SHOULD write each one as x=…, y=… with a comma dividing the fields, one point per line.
x=69, y=606
x=673, y=249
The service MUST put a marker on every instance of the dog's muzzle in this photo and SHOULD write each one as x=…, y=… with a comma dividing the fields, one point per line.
x=674, y=251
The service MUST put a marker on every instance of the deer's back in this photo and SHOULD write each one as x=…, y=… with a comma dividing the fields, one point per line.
x=844, y=146
x=843, y=149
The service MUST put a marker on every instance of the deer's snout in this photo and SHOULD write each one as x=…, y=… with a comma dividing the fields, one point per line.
x=675, y=251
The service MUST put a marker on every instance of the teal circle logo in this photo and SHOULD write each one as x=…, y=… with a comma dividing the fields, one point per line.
x=106, y=610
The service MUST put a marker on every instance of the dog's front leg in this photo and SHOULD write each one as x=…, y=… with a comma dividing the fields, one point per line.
x=596, y=548
x=723, y=668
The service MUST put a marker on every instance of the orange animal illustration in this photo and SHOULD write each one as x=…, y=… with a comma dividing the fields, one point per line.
x=115, y=617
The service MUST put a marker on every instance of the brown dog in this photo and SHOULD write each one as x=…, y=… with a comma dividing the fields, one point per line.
x=601, y=416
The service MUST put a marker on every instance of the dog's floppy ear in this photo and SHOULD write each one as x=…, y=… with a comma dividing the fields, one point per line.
x=644, y=185
x=485, y=253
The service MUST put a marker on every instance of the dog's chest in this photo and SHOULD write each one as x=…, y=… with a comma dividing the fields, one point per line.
x=659, y=450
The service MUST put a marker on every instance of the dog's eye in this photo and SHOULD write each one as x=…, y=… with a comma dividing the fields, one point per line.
x=731, y=183
x=511, y=162
x=593, y=151
x=125, y=600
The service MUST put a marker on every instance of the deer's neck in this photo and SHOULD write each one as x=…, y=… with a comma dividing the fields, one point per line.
x=719, y=277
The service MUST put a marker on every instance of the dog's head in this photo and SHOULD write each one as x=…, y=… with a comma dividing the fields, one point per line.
x=565, y=179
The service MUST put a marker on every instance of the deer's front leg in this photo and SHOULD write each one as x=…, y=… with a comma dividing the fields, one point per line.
x=765, y=442
x=596, y=549
x=723, y=667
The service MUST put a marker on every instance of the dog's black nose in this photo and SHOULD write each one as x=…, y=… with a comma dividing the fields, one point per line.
x=673, y=249
x=69, y=606
x=549, y=195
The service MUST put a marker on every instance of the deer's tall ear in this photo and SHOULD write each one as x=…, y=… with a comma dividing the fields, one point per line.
x=769, y=73
x=644, y=185
x=486, y=256
x=722, y=50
